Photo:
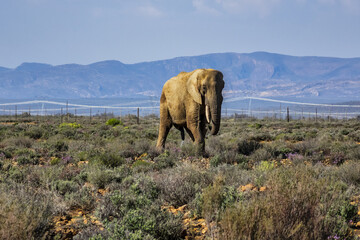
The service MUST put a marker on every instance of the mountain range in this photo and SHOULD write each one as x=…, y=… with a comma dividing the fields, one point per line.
x=258, y=74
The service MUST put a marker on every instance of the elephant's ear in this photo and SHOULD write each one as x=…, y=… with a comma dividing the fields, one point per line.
x=192, y=86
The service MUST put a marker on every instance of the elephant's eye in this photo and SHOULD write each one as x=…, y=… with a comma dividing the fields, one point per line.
x=203, y=89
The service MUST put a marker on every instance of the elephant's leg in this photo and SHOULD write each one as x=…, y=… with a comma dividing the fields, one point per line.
x=164, y=127
x=198, y=137
x=190, y=134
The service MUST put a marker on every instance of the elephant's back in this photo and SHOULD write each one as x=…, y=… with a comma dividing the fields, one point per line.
x=175, y=85
x=174, y=93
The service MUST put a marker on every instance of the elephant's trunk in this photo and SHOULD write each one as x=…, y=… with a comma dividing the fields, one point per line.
x=215, y=117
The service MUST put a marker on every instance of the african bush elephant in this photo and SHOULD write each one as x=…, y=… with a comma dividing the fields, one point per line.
x=189, y=101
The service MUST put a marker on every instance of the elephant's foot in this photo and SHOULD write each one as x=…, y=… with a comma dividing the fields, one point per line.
x=200, y=149
x=160, y=147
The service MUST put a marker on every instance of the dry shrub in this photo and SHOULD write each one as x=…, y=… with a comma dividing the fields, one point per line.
x=297, y=205
x=179, y=185
x=21, y=141
x=26, y=215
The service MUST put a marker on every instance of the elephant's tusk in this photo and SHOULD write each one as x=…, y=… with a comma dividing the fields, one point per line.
x=207, y=113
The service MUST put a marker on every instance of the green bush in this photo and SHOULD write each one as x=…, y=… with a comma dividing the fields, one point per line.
x=108, y=159
x=83, y=199
x=57, y=144
x=70, y=125
x=246, y=147
x=113, y=122
x=136, y=214
x=26, y=156
x=36, y=132
x=20, y=142
x=141, y=165
x=65, y=186
x=100, y=177
x=216, y=198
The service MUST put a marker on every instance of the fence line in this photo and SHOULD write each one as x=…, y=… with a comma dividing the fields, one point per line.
x=321, y=110
x=290, y=102
x=74, y=105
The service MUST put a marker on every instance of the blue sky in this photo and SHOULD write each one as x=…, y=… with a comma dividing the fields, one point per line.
x=87, y=31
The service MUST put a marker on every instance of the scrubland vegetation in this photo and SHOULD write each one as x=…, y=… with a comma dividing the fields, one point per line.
x=262, y=179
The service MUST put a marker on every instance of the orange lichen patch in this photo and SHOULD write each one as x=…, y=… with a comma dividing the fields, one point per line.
x=250, y=187
x=358, y=143
x=7, y=123
x=42, y=161
x=102, y=192
x=141, y=156
x=81, y=163
x=355, y=201
x=286, y=162
x=67, y=226
x=174, y=210
x=194, y=227
x=247, y=187
x=327, y=162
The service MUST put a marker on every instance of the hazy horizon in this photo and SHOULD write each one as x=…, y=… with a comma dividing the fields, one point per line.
x=88, y=31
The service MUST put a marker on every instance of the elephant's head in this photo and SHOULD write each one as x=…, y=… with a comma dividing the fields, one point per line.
x=205, y=86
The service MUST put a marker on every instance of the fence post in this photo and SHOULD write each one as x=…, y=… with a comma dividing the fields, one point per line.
x=315, y=114
x=138, y=116
x=61, y=115
x=287, y=115
x=67, y=110
x=302, y=113
x=346, y=114
x=274, y=115
x=90, y=115
x=280, y=117
x=15, y=112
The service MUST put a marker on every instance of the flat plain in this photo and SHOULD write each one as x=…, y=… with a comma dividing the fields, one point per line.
x=67, y=178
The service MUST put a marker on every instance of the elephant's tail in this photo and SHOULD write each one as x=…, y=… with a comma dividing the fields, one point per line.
x=182, y=134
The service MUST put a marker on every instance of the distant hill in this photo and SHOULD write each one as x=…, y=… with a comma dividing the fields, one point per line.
x=255, y=74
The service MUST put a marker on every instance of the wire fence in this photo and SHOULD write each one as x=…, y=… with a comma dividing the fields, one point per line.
x=237, y=107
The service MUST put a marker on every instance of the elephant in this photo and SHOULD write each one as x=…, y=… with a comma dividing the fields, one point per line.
x=190, y=101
